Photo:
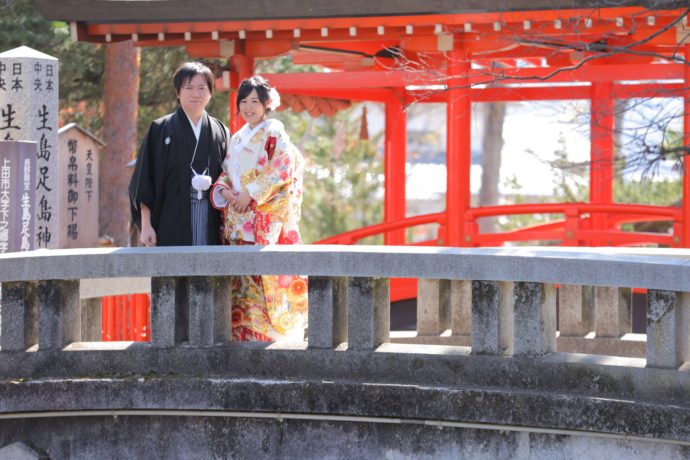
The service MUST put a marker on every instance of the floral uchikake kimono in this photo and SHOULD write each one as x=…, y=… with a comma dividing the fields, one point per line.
x=263, y=162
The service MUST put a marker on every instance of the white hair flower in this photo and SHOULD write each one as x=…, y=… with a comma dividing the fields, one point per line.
x=273, y=99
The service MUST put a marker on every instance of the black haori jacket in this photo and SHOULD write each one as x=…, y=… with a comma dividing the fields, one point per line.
x=162, y=178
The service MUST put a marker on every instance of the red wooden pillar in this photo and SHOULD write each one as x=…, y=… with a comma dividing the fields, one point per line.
x=394, y=167
x=601, y=155
x=241, y=67
x=685, y=237
x=458, y=153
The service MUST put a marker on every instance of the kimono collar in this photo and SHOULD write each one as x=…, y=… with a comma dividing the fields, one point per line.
x=246, y=134
x=197, y=128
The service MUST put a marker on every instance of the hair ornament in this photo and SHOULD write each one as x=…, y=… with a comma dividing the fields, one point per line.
x=273, y=99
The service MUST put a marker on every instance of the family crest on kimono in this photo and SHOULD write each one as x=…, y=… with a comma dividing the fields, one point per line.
x=178, y=161
x=260, y=194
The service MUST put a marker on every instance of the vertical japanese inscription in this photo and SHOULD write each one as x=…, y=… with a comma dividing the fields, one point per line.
x=88, y=180
x=72, y=191
x=26, y=236
x=5, y=203
x=44, y=214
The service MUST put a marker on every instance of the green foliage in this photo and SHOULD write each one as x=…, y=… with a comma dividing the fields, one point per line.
x=81, y=64
x=20, y=24
x=341, y=184
x=342, y=192
x=664, y=192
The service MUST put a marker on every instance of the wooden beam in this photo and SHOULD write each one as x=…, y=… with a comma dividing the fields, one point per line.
x=237, y=10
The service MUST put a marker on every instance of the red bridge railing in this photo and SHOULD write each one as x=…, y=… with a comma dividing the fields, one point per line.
x=573, y=229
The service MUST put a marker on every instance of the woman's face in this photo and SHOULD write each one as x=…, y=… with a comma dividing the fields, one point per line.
x=194, y=95
x=252, y=110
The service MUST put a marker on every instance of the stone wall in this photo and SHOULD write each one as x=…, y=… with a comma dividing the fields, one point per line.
x=511, y=391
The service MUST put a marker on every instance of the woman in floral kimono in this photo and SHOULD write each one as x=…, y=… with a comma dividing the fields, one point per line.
x=260, y=194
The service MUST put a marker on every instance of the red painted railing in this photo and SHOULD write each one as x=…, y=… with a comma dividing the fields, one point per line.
x=125, y=317
x=354, y=236
x=574, y=229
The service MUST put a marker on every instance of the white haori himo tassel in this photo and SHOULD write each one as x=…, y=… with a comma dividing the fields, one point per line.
x=201, y=183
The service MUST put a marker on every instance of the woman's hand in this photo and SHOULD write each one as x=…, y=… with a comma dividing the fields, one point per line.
x=242, y=201
x=229, y=195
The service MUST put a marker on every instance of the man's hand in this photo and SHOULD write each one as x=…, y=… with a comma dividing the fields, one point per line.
x=148, y=236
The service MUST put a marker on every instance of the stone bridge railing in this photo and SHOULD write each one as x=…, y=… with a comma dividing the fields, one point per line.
x=511, y=378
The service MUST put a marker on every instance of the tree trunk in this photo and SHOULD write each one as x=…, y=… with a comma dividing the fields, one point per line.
x=492, y=145
x=120, y=97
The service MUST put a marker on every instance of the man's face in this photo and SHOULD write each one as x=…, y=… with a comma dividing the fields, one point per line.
x=194, y=95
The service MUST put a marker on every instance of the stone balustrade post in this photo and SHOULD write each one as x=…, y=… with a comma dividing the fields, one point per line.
x=222, y=308
x=433, y=306
x=492, y=317
x=368, y=314
x=163, y=311
x=612, y=311
x=91, y=319
x=327, y=311
x=59, y=313
x=461, y=307
x=668, y=323
x=576, y=310
x=18, y=316
x=535, y=318
x=201, y=312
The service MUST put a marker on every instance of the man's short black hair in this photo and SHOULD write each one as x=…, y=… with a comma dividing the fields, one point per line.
x=189, y=70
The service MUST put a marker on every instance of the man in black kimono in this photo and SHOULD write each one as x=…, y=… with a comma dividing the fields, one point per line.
x=178, y=160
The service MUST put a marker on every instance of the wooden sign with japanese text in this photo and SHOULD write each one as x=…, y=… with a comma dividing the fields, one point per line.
x=79, y=152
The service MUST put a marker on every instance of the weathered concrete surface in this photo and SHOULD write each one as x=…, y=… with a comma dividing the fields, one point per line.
x=433, y=306
x=20, y=451
x=59, y=313
x=461, y=307
x=328, y=311
x=576, y=310
x=222, y=308
x=668, y=316
x=91, y=319
x=136, y=436
x=14, y=303
x=535, y=318
x=486, y=385
x=628, y=346
x=368, y=312
x=569, y=375
x=492, y=317
x=612, y=311
x=659, y=269
x=163, y=301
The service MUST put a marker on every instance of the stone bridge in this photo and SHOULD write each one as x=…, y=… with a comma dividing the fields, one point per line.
x=491, y=371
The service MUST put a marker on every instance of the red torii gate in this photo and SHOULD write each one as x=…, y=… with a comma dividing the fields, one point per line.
x=471, y=53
